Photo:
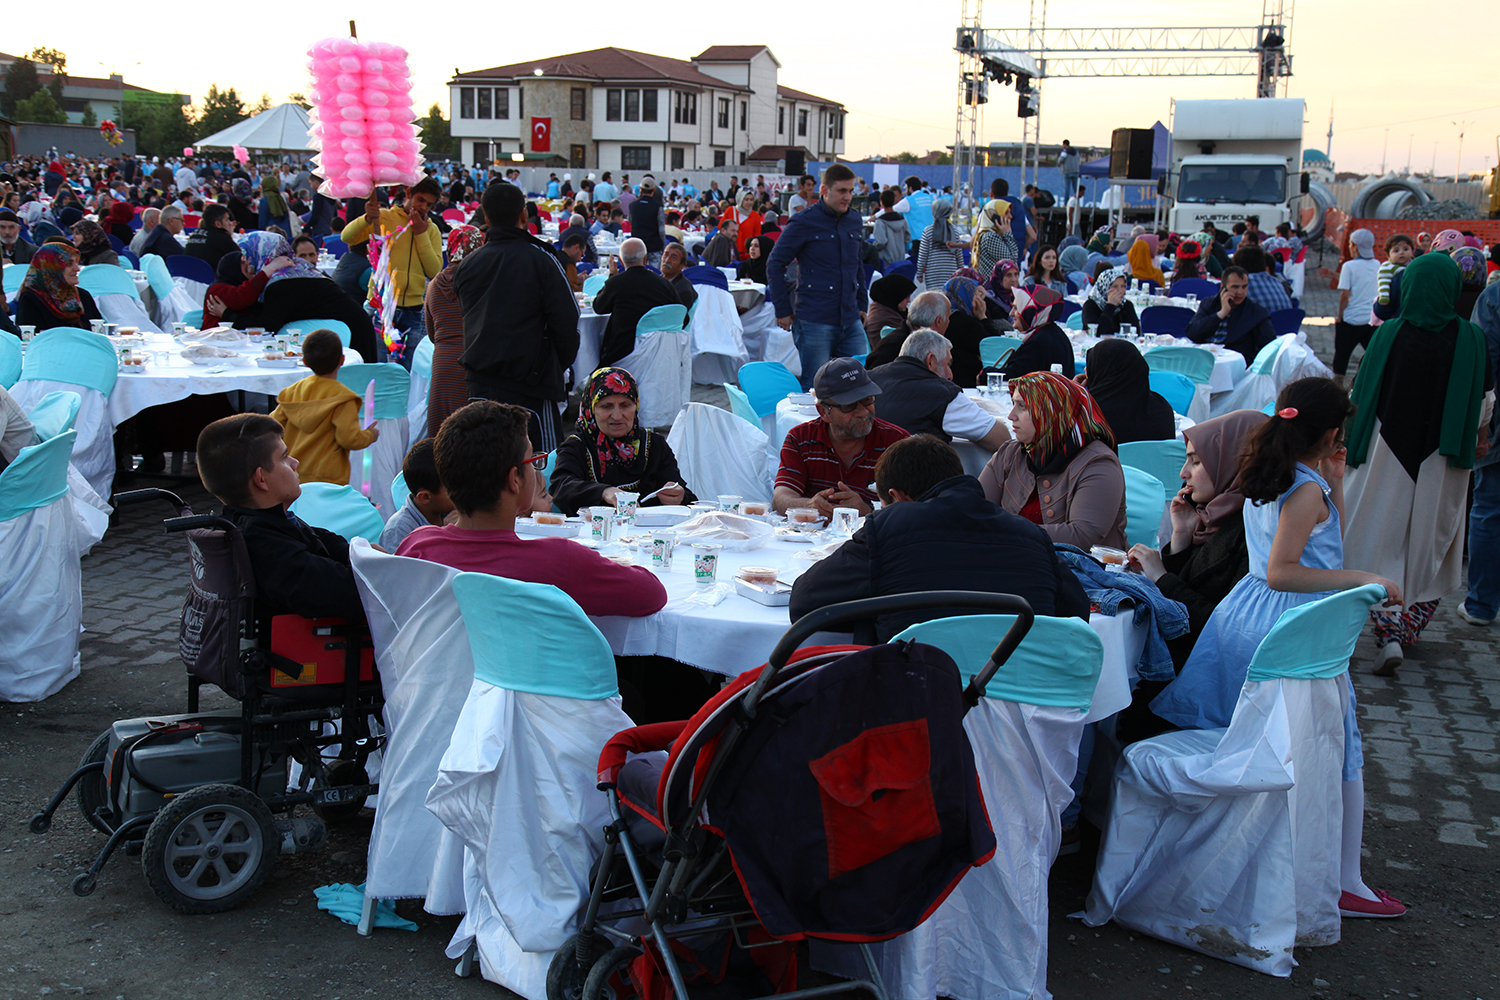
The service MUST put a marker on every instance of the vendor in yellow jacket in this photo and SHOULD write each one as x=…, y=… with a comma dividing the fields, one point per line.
x=321, y=414
x=416, y=256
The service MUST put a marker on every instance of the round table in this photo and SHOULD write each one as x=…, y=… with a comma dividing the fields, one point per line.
x=170, y=377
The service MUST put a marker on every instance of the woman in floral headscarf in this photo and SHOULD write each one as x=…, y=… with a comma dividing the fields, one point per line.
x=1061, y=470
x=445, y=326
x=1107, y=309
x=1004, y=280
x=1044, y=344
x=298, y=292
x=50, y=295
x=611, y=451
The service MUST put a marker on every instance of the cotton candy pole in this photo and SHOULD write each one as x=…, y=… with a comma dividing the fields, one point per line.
x=362, y=116
x=367, y=423
x=242, y=155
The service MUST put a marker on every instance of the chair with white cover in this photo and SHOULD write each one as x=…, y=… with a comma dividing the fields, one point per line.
x=766, y=341
x=1281, y=362
x=518, y=782
x=720, y=453
x=307, y=326
x=179, y=284
x=1226, y=841
x=1176, y=388
x=55, y=413
x=718, y=336
x=662, y=364
x=392, y=397
x=1145, y=500
x=41, y=590
x=416, y=397
x=426, y=671
x=115, y=294
x=339, y=509
x=594, y=284
x=988, y=939
x=66, y=359
x=10, y=361
x=1163, y=460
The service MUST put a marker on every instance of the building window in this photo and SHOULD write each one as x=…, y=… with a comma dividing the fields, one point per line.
x=580, y=105
x=744, y=114
x=466, y=102
x=484, y=102
x=635, y=157
x=841, y=125
x=830, y=126
x=723, y=112
x=481, y=153
x=781, y=120
x=578, y=155
x=684, y=108
x=648, y=105
x=679, y=157
x=632, y=105
x=502, y=102
x=802, y=123
x=612, y=106
x=718, y=158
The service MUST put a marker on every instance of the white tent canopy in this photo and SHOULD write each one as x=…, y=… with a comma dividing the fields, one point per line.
x=284, y=127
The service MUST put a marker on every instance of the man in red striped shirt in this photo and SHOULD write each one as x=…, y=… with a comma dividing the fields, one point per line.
x=830, y=462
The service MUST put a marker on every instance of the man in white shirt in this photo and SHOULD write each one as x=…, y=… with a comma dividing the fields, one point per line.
x=1075, y=213
x=917, y=394
x=807, y=193
x=1358, y=281
x=185, y=179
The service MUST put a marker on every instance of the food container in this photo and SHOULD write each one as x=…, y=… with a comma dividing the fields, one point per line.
x=764, y=575
x=272, y=352
x=601, y=523
x=705, y=564
x=663, y=541
x=755, y=508
x=1113, y=559
x=729, y=501
x=773, y=595
x=549, y=517
x=804, y=517
x=256, y=331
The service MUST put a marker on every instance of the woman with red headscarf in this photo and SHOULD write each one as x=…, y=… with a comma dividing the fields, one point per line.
x=50, y=295
x=1043, y=344
x=1060, y=471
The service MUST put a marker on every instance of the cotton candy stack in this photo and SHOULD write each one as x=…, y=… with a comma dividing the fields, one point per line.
x=362, y=116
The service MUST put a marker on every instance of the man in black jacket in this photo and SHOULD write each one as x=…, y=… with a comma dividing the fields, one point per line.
x=1232, y=318
x=520, y=316
x=937, y=532
x=13, y=249
x=917, y=394
x=212, y=239
x=626, y=297
x=162, y=240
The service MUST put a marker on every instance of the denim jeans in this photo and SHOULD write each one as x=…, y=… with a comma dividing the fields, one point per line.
x=408, y=320
x=1484, y=543
x=817, y=342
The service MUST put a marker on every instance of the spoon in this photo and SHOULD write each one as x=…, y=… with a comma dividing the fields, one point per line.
x=652, y=496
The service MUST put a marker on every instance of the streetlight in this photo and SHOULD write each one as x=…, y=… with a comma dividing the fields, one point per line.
x=1458, y=160
x=880, y=134
x=1383, y=146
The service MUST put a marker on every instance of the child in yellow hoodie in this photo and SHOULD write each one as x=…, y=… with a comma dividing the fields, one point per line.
x=321, y=415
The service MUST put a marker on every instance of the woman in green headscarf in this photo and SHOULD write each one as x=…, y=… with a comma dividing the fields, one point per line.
x=1424, y=393
x=273, y=208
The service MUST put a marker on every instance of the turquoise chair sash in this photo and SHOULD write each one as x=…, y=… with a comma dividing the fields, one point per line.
x=339, y=509
x=307, y=326
x=37, y=477
x=1057, y=664
x=77, y=357
x=594, y=284
x=1196, y=363
x=1265, y=359
x=1162, y=459
x=739, y=404
x=54, y=414
x=767, y=383
x=1314, y=641
x=108, y=279
x=15, y=277
x=662, y=318
x=1074, y=321
x=1176, y=388
x=193, y=317
x=157, y=274
x=10, y=360
x=421, y=361
x=1145, y=499
x=992, y=349
x=532, y=637
x=399, y=490
x=392, y=386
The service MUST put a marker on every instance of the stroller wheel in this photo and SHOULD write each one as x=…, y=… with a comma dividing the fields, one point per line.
x=342, y=771
x=93, y=789
x=564, y=978
x=609, y=979
x=209, y=849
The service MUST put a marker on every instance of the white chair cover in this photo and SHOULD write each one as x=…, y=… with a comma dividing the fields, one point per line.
x=94, y=448
x=517, y=785
x=1296, y=273
x=426, y=669
x=90, y=511
x=41, y=601
x=386, y=456
x=717, y=336
x=765, y=341
x=127, y=310
x=1226, y=841
x=416, y=399
x=186, y=296
x=662, y=364
x=1293, y=361
x=718, y=452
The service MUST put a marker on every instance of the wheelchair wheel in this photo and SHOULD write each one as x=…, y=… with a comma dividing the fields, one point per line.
x=609, y=979
x=209, y=849
x=564, y=980
x=341, y=771
x=93, y=789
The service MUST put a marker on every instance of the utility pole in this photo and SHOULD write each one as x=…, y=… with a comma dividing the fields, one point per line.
x=1383, y=146
x=1458, y=160
x=1410, y=138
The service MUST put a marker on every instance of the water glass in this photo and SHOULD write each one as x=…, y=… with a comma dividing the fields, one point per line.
x=601, y=523
x=705, y=565
x=626, y=505
x=97, y=325
x=995, y=382
x=845, y=520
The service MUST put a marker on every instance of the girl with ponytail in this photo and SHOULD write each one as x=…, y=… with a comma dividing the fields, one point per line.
x=1292, y=476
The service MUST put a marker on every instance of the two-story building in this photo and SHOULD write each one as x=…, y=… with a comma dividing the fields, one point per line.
x=622, y=110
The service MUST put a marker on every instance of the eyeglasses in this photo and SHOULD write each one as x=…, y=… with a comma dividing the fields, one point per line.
x=867, y=403
x=538, y=461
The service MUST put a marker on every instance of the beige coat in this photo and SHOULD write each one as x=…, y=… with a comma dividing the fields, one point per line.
x=1083, y=505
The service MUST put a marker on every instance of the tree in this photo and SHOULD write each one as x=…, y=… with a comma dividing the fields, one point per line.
x=300, y=99
x=261, y=106
x=20, y=84
x=161, y=129
x=906, y=156
x=221, y=109
x=89, y=118
x=42, y=109
x=434, y=133
x=57, y=63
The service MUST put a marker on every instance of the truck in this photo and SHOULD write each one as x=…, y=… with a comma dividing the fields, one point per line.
x=1234, y=158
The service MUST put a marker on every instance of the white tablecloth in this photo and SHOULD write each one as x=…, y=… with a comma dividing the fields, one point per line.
x=170, y=377
x=591, y=328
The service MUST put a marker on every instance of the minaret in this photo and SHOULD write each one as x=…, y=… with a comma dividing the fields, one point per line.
x=1329, y=150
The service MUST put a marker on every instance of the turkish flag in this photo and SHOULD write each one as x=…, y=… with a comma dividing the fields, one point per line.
x=541, y=135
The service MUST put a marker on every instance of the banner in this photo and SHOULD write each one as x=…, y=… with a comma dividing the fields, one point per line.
x=541, y=135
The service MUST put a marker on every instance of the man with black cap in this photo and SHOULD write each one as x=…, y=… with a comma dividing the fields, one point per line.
x=13, y=249
x=830, y=462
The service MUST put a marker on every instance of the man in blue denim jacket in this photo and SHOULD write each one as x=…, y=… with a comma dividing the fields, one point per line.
x=827, y=241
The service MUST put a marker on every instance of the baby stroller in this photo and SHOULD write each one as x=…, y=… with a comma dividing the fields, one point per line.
x=830, y=794
x=204, y=797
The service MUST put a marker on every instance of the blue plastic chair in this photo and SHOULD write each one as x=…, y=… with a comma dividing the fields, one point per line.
x=38, y=476
x=54, y=414
x=1175, y=388
x=309, y=325
x=1201, y=287
x=129, y=255
x=992, y=349
x=339, y=509
x=115, y=243
x=520, y=632
x=135, y=220
x=1066, y=309
x=109, y=279
x=1145, y=499
x=672, y=317
x=193, y=318
x=10, y=360
x=15, y=277
x=1287, y=320
x=1057, y=664
x=739, y=404
x=180, y=265
x=1197, y=363
x=77, y=357
x=1314, y=641
x=1074, y=321
x=392, y=386
x=1162, y=459
x=1165, y=319
x=335, y=246
x=399, y=490
x=594, y=283
x=158, y=276
x=767, y=383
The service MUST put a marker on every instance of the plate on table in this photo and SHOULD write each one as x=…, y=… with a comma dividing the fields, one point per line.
x=568, y=529
x=279, y=362
x=664, y=516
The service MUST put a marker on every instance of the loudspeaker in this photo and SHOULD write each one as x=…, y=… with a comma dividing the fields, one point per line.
x=796, y=162
x=1130, y=153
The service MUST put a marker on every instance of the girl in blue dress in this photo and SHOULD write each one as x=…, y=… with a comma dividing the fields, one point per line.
x=1292, y=476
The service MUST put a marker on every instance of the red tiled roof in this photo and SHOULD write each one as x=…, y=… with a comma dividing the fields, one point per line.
x=768, y=154
x=802, y=95
x=604, y=64
x=91, y=82
x=729, y=53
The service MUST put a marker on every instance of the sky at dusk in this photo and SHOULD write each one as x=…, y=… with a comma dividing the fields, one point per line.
x=896, y=73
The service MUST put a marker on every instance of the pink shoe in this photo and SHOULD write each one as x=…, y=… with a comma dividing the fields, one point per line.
x=1385, y=908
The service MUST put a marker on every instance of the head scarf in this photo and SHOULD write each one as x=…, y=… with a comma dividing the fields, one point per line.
x=1152, y=240
x=755, y=267
x=1429, y=288
x=1036, y=309
x=228, y=271
x=1143, y=262
x=68, y=217
x=610, y=455
x=970, y=273
x=45, y=278
x=461, y=241
x=1446, y=240
x=240, y=189
x=270, y=190
x=1006, y=297
x=940, y=229
x=1474, y=241
x=1218, y=443
x=1099, y=242
x=960, y=292
x=90, y=238
x=1073, y=258
x=1189, y=250
x=1066, y=418
x=1120, y=382
x=1471, y=264
x=31, y=212
x=263, y=247
x=1100, y=292
x=1069, y=241
x=890, y=290
x=120, y=214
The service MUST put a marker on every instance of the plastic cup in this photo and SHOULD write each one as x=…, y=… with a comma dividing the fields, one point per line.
x=995, y=382
x=1113, y=559
x=705, y=565
x=626, y=505
x=97, y=325
x=271, y=353
x=601, y=523
x=804, y=517
x=845, y=521
x=729, y=501
x=27, y=332
x=663, y=541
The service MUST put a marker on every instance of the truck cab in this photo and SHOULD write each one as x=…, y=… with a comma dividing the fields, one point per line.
x=1235, y=158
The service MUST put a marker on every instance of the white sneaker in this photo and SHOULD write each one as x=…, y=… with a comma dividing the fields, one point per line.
x=1388, y=659
x=1463, y=612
